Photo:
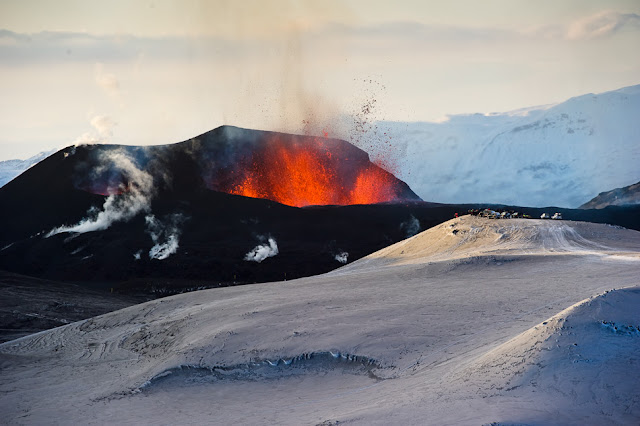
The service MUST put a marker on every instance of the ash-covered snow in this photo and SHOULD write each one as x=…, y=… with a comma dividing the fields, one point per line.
x=560, y=155
x=441, y=328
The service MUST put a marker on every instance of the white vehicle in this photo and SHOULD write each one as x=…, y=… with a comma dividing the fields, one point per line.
x=544, y=216
x=557, y=216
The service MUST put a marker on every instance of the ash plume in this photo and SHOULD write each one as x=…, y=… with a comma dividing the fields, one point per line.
x=262, y=251
x=135, y=197
x=164, y=234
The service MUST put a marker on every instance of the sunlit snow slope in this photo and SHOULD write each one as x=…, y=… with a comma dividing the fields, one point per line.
x=561, y=155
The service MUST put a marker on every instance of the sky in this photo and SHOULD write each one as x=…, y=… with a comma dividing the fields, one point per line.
x=162, y=71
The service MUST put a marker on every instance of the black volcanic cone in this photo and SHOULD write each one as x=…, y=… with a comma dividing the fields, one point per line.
x=214, y=231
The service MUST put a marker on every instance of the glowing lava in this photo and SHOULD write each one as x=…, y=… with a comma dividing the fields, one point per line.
x=290, y=169
x=310, y=172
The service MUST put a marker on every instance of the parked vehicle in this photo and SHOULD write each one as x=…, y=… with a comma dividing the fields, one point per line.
x=557, y=216
x=545, y=216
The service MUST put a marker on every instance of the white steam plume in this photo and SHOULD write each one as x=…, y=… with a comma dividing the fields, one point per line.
x=262, y=251
x=164, y=250
x=168, y=231
x=341, y=257
x=135, y=198
x=103, y=125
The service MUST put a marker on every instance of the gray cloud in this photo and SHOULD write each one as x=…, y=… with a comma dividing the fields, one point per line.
x=48, y=46
x=70, y=47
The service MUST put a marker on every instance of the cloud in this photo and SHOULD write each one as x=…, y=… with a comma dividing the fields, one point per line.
x=602, y=24
x=262, y=251
x=324, y=36
x=107, y=81
x=57, y=47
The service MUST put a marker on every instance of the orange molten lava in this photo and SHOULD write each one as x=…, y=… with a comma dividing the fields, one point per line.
x=303, y=174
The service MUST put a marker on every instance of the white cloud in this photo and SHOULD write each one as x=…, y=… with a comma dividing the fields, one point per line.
x=602, y=24
x=107, y=81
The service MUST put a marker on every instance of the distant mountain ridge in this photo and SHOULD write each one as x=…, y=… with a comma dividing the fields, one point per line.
x=9, y=169
x=558, y=155
x=616, y=197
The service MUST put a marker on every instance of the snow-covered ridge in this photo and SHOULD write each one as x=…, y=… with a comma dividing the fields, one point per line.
x=9, y=169
x=469, y=238
x=560, y=155
x=582, y=355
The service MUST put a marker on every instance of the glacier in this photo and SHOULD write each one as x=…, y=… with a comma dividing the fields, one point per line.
x=555, y=155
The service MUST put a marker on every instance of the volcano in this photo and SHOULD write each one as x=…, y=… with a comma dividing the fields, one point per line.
x=118, y=214
x=217, y=210
x=290, y=169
